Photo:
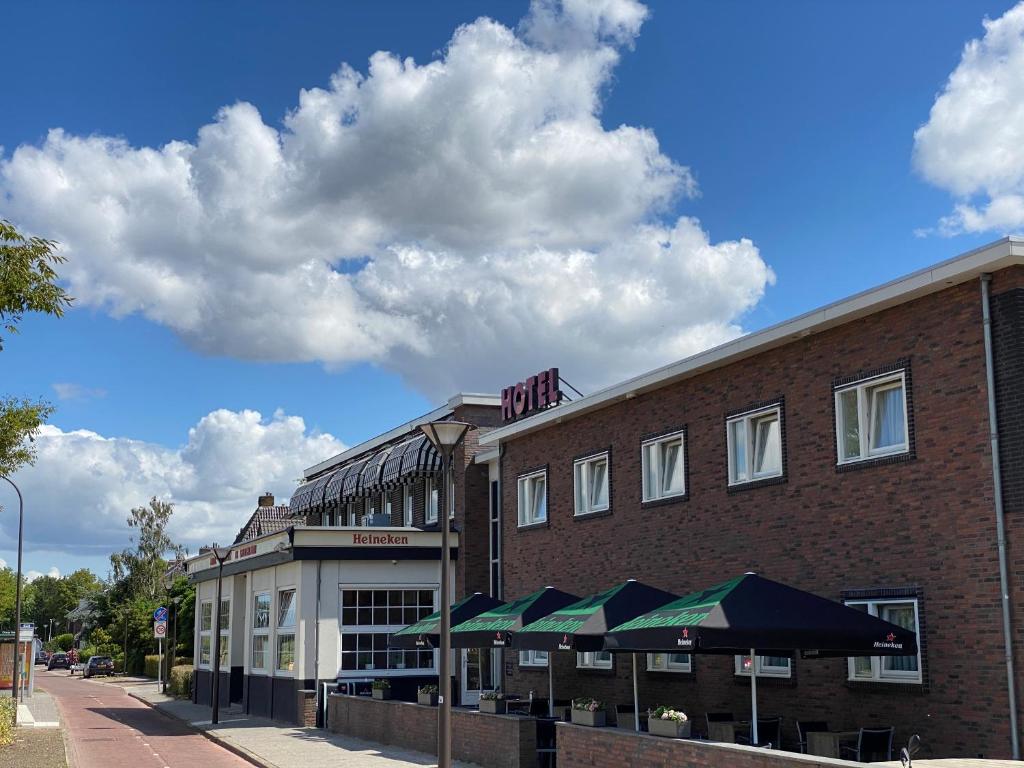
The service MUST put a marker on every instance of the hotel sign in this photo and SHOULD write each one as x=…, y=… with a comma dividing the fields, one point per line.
x=535, y=394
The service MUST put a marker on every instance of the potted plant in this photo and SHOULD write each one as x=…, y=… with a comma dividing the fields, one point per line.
x=493, y=703
x=588, y=711
x=381, y=688
x=427, y=695
x=665, y=721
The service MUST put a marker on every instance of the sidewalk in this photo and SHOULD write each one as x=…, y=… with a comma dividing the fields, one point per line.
x=38, y=711
x=273, y=745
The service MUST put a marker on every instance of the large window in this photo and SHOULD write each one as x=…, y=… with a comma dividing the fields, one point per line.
x=662, y=466
x=205, y=632
x=533, y=498
x=286, y=631
x=871, y=418
x=533, y=658
x=260, y=631
x=370, y=616
x=755, y=445
x=386, y=503
x=407, y=505
x=890, y=669
x=224, y=621
x=767, y=666
x=430, y=500
x=669, y=662
x=594, y=660
x=590, y=478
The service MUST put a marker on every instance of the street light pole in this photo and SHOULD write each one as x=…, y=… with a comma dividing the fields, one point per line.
x=15, y=678
x=445, y=436
x=221, y=553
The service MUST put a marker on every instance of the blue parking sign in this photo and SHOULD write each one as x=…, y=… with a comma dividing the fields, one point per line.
x=160, y=614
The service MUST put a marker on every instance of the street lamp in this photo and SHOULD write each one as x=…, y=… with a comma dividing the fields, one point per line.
x=50, y=636
x=16, y=678
x=221, y=553
x=445, y=436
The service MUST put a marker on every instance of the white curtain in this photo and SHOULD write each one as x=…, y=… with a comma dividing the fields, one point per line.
x=887, y=407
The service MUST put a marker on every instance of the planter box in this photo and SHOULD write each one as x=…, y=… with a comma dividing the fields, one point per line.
x=381, y=693
x=670, y=728
x=593, y=719
x=494, y=706
x=427, y=699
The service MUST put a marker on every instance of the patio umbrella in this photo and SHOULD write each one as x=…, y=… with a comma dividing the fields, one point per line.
x=754, y=615
x=581, y=626
x=424, y=633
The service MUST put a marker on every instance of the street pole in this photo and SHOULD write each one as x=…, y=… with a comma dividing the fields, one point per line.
x=221, y=553
x=16, y=677
x=174, y=634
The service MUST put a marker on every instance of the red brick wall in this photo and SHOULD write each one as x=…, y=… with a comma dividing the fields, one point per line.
x=494, y=741
x=927, y=523
x=582, y=747
x=307, y=708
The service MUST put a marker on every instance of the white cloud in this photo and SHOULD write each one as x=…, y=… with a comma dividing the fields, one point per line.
x=3, y=563
x=460, y=221
x=973, y=142
x=32, y=575
x=83, y=484
x=71, y=391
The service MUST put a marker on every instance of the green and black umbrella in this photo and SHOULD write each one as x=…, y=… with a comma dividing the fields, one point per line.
x=494, y=628
x=425, y=633
x=754, y=615
x=582, y=626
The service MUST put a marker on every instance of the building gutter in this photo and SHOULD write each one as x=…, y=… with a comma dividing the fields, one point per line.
x=997, y=485
x=316, y=641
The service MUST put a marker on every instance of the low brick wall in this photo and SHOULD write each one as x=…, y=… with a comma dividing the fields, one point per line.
x=493, y=741
x=307, y=708
x=582, y=747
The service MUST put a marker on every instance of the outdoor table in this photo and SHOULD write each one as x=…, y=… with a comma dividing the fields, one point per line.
x=826, y=743
x=725, y=731
x=517, y=704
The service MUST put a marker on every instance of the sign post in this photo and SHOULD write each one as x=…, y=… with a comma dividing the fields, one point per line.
x=160, y=632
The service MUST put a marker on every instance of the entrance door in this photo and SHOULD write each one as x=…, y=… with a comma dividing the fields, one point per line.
x=477, y=674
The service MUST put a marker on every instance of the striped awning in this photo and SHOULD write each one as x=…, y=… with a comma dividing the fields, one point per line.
x=301, y=498
x=369, y=477
x=415, y=457
x=344, y=483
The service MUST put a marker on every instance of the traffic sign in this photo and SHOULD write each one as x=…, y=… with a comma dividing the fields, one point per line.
x=160, y=614
x=160, y=629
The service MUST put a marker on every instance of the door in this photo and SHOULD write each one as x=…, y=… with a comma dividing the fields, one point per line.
x=477, y=674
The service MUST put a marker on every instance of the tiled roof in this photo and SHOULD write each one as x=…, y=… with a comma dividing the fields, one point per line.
x=266, y=520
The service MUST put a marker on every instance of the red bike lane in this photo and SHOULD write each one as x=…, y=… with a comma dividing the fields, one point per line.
x=106, y=728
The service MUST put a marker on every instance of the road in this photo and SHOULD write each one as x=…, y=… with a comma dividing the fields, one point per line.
x=106, y=728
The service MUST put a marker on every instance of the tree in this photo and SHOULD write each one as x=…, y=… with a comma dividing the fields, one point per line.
x=141, y=571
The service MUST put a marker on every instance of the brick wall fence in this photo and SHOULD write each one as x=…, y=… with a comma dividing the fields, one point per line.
x=306, y=708
x=582, y=747
x=493, y=741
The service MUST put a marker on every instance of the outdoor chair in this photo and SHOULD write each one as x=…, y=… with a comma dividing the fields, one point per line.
x=769, y=733
x=873, y=744
x=803, y=727
x=546, y=742
x=539, y=708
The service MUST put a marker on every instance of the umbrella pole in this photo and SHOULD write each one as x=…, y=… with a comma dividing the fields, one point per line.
x=636, y=698
x=551, y=684
x=753, y=698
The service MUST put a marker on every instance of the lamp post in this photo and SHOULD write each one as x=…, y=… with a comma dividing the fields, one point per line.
x=445, y=436
x=174, y=634
x=50, y=636
x=221, y=553
x=16, y=678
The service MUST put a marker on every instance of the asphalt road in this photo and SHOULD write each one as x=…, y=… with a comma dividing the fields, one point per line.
x=106, y=728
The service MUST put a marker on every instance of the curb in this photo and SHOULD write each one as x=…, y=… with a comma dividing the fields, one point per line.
x=230, y=746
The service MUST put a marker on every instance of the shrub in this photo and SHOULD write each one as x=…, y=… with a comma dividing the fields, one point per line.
x=64, y=642
x=428, y=689
x=492, y=696
x=181, y=681
x=152, y=666
x=8, y=707
x=85, y=653
x=381, y=684
x=587, y=704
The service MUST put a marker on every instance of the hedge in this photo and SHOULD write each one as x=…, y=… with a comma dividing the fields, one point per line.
x=181, y=681
x=8, y=706
x=151, y=666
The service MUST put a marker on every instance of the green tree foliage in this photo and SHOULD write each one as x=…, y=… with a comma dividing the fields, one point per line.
x=7, y=589
x=20, y=419
x=63, y=642
x=28, y=279
x=141, y=570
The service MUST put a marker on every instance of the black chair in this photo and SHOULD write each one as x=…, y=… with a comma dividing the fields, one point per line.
x=539, y=708
x=873, y=744
x=769, y=733
x=546, y=750
x=803, y=727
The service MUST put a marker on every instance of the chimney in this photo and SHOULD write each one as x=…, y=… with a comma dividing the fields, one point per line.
x=267, y=499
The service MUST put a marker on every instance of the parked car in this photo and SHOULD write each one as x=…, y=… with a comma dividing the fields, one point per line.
x=42, y=657
x=59, y=660
x=98, y=665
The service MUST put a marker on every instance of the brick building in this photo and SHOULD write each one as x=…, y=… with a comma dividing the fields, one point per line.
x=847, y=452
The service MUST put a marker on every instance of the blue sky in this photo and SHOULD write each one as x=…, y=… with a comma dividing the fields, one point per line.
x=796, y=122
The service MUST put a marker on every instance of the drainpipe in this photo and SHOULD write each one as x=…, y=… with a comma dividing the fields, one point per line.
x=997, y=485
x=499, y=587
x=316, y=643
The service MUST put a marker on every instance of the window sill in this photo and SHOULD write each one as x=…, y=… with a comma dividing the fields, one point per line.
x=908, y=687
x=770, y=681
x=664, y=501
x=591, y=515
x=597, y=671
x=675, y=674
x=533, y=667
x=875, y=461
x=750, y=485
x=534, y=526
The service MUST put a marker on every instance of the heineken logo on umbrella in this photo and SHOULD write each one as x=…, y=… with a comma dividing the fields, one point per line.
x=565, y=645
x=500, y=639
x=889, y=642
x=685, y=641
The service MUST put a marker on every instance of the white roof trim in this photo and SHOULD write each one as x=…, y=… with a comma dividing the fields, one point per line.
x=989, y=258
x=463, y=398
x=486, y=457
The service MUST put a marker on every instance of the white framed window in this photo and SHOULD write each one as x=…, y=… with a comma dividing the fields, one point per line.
x=451, y=499
x=386, y=503
x=370, y=615
x=407, y=505
x=205, y=632
x=533, y=498
x=590, y=482
x=661, y=460
x=260, y=631
x=871, y=418
x=755, y=445
x=669, y=662
x=430, y=500
x=285, y=656
x=533, y=658
x=767, y=666
x=889, y=669
x=594, y=660
x=224, y=622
